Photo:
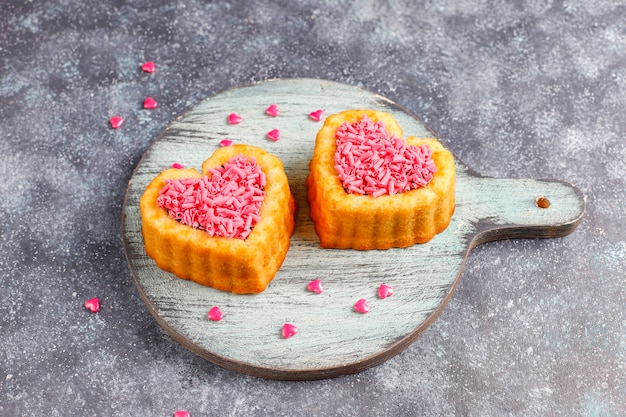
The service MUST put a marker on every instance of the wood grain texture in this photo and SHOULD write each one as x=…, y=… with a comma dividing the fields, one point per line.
x=332, y=340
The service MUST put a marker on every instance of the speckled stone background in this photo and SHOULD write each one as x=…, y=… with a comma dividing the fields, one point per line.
x=515, y=89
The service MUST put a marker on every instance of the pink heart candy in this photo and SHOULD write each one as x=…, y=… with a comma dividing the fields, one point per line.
x=149, y=103
x=148, y=67
x=215, y=314
x=273, y=135
x=361, y=306
x=116, y=122
x=316, y=115
x=176, y=165
x=234, y=119
x=93, y=305
x=273, y=110
x=226, y=142
x=289, y=330
x=315, y=286
x=182, y=413
x=385, y=291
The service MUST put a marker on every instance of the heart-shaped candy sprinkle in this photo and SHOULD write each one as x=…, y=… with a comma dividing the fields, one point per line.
x=116, y=122
x=182, y=413
x=176, y=165
x=93, y=304
x=361, y=306
x=149, y=103
x=316, y=115
x=315, y=286
x=215, y=314
x=234, y=119
x=226, y=142
x=272, y=110
x=273, y=135
x=148, y=67
x=289, y=330
x=385, y=291
x=370, y=160
x=226, y=204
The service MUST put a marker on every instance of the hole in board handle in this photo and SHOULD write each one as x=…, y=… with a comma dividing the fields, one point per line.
x=542, y=202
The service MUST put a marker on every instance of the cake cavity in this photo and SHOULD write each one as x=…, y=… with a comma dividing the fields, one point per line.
x=225, y=204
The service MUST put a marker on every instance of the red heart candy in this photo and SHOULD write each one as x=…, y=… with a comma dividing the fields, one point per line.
x=273, y=135
x=385, y=291
x=370, y=160
x=215, y=314
x=289, y=330
x=93, y=305
x=316, y=115
x=149, y=103
x=362, y=306
x=148, y=67
x=273, y=110
x=315, y=286
x=116, y=122
x=226, y=204
x=234, y=119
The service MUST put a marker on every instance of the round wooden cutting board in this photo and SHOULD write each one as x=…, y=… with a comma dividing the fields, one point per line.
x=332, y=338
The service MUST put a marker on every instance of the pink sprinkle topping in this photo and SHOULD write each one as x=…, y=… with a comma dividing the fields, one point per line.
x=182, y=413
x=289, y=330
x=385, y=291
x=273, y=135
x=316, y=115
x=176, y=165
x=234, y=119
x=226, y=142
x=361, y=306
x=225, y=204
x=149, y=103
x=116, y=122
x=93, y=304
x=272, y=110
x=369, y=160
x=148, y=67
x=215, y=314
x=315, y=286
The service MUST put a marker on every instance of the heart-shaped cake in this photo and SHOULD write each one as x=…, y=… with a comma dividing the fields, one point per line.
x=370, y=188
x=228, y=227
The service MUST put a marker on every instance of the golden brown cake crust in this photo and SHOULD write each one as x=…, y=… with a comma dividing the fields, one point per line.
x=344, y=220
x=228, y=264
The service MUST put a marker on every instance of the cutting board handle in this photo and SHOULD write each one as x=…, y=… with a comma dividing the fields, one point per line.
x=501, y=208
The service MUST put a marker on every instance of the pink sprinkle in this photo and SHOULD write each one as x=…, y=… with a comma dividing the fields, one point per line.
x=234, y=119
x=370, y=160
x=316, y=115
x=149, y=103
x=148, y=67
x=116, y=122
x=93, y=304
x=226, y=142
x=225, y=204
x=273, y=135
x=289, y=330
x=361, y=306
x=182, y=413
x=215, y=314
x=315, y=286
x=385, y=291
x=273, y=110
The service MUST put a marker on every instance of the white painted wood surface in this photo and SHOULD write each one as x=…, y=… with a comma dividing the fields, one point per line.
x=332, y=338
